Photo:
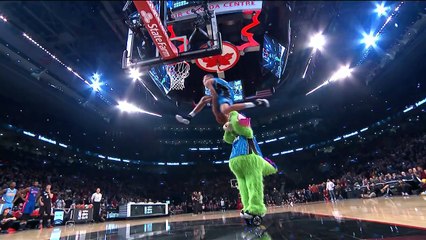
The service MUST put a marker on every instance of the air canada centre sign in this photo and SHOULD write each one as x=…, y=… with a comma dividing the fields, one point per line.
x=222, y=7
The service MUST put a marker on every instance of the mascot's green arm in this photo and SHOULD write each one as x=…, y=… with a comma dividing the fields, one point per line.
x=229, y=137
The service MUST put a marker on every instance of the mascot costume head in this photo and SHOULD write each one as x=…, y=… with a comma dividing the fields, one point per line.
x=247, y=163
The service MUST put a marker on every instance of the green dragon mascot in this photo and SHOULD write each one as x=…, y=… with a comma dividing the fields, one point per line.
x=248, y=165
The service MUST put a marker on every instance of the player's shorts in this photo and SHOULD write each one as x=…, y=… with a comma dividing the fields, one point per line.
x=221, y=100
x=28, y=207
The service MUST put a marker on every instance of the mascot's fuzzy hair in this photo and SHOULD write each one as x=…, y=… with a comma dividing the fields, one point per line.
x=247, y=163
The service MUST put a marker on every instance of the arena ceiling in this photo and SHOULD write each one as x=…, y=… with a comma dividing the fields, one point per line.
x=90, y=37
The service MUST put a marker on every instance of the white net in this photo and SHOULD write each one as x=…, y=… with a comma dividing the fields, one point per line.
x=177, y=73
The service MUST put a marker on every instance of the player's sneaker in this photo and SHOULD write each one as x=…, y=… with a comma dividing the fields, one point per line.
x=185, y=120
x=262, y=102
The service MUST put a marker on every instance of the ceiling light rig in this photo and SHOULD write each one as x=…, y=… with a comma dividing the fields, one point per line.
x=55, y=58
x=370, y=40
x=28, y=37
x=94, y=85
x=374, y=37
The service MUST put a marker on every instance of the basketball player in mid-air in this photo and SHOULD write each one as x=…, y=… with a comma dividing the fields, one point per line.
x=225, y=99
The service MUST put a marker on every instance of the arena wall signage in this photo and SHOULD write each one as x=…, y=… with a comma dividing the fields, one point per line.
x=82, y=215
x=143, y=209
x=221, y=7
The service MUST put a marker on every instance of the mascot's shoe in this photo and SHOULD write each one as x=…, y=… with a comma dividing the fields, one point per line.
x=253, y=220
x=262, y=102
x=248, y=215
x=242, y=214
x=185, y=120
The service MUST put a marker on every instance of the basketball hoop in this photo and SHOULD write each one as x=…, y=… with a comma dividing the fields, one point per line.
x=177, y=73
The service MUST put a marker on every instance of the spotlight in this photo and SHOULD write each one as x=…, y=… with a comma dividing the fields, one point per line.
x=130, y=108
x=317, y=41
x=381, y=9
x=342, y=73
x=135, y=74
x=96, y=82
x=369, y=40
x=96, y=86
x=127, y=107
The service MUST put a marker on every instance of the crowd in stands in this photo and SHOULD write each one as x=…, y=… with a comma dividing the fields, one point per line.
x=395, y=170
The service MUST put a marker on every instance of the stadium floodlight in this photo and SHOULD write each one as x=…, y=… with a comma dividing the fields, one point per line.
x=131, y=108
x=381, y=9
x=342, y=73
x=369, y=40
x=135, y=74
x=96, y=85
x=128, y=107
x=317, y=41
x=96, y=82
x=3, y=18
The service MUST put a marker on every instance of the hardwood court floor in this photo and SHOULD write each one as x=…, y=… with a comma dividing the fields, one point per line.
x=393, y=218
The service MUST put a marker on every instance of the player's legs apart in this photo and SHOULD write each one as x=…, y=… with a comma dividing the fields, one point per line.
x=200, y=105
x=226, y=108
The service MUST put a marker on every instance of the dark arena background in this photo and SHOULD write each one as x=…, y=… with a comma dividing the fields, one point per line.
x=99, y=138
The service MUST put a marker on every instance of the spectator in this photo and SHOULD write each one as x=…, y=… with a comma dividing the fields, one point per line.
x=7, y=221
x=60, y=203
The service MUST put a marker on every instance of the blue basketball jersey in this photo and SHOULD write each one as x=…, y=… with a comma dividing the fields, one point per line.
x=32, y=194
x=222, y=88
x=9, y=195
